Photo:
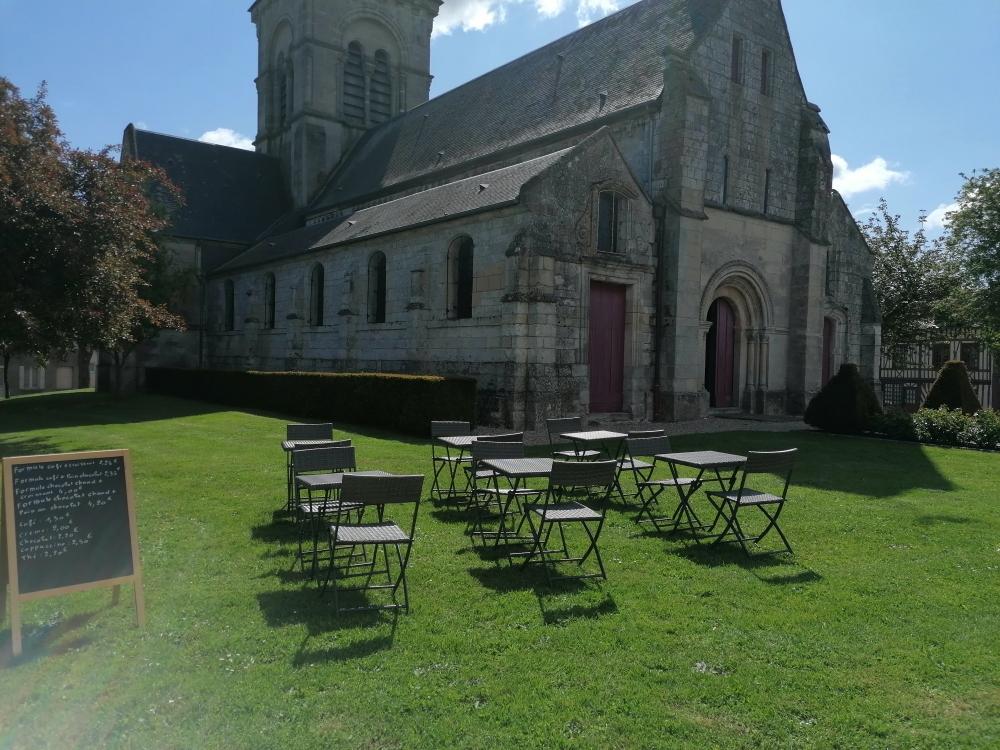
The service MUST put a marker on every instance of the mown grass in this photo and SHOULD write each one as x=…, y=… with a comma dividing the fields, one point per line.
x=880, y=632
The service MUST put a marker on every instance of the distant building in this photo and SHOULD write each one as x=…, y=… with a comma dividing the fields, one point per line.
x=636, y=218
x=908, y=371
x=26, y=375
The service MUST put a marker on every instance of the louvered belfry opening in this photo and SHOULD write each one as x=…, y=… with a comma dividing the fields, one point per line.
x=354, y=82
x=380, y=103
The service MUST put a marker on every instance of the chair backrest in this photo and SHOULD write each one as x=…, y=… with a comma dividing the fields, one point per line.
x=370, y=490
x=647, y=446
x=556, y=427
x=583, y=473
x=309, y=431
x=483, y=449
x=646, y=433
x=507, y=437
x=338, y=458
x=450, y=428
x=779, y=463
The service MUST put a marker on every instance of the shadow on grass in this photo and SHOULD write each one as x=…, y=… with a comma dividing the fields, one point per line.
x=47, y=639
x=305, y=606
x=82, y=408
x=775, y=566
x=280, y=529
x=845, y=464
x=559, y=615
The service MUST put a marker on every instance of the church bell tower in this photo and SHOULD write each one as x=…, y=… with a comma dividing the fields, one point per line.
x=330, y=69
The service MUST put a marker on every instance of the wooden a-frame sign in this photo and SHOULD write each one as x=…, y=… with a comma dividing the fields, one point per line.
x=69, y=525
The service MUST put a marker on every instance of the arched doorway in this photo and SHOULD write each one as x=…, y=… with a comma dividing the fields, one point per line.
x=720, y=355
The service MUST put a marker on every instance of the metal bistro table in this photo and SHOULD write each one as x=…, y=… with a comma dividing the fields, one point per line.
x=713, y=463
x=317, y=509
x=517, y=471
x=292, y=445
x=600, y=438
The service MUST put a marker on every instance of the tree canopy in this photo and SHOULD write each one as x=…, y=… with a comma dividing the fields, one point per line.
x=81, y=265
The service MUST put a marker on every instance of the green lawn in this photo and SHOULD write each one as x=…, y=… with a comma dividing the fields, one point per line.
x=880, y=632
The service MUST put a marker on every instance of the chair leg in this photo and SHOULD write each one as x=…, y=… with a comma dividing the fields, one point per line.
x=773, y=524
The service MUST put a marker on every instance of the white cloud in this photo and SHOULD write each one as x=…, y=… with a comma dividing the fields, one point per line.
x=938, y=218
x=227, y=137
x=875, y=175
x=588, y=11
x=477, y=15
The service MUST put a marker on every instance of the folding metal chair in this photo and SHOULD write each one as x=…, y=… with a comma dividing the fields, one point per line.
x=778, y=465
x=570, y=483
x=303, y=432
x=311, y=511
x=638, y=446
x=648, y=489
x=379, y=492
x=443, y=458
x=290, y=505
x=486, y=496
x=562, y=425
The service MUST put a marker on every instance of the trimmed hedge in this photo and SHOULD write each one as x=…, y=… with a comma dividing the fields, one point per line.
x=943, y=426
x=406, y=403
x=953, y=389
x=846, y=404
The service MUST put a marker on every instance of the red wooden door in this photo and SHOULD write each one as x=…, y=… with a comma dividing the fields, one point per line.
x=827, y=350
x=720, y=354
x=607, y=346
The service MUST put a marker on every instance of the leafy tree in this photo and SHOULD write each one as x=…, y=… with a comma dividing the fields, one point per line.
x=33, y=204
x=917, y=282
x=973, y=236
x=81, y=265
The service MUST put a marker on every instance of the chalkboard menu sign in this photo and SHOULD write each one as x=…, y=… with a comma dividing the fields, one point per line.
x=69, y=525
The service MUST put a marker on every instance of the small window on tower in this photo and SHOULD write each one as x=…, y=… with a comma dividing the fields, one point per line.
x=737, y=59
x=765, y=72
x=612, y=222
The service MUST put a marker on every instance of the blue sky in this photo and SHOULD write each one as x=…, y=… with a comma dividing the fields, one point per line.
x=909, y=88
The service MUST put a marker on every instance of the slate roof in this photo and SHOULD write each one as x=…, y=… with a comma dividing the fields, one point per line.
x=491, y=190
x=553, y=89
x=231, y=194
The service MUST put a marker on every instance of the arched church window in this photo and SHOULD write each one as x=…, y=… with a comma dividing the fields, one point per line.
x=289, y=90
x=316, y=285
x=460, y=277
x=229, y=306
x=269, y=301
x=354, y=82
x=380, y=104
x=612, y=221
x=376, y=288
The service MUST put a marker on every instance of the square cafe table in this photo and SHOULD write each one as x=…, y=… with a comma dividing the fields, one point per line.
x=713, y=463
x=517, y=471
x=601, y=438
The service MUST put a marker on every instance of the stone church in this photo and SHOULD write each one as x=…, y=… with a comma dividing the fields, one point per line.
x=637, y=218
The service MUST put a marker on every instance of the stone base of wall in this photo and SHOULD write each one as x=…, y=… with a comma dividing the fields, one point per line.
x=680, y=407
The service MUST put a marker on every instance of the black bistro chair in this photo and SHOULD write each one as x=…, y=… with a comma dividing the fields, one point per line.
x=770, y=468
x=383, y=535
x=574, y=487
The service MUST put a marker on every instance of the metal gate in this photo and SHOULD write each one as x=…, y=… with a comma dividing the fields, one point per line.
x=908, y=371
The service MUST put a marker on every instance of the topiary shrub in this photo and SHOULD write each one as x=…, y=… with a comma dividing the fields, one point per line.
x=846, y=404
x=953, y=389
